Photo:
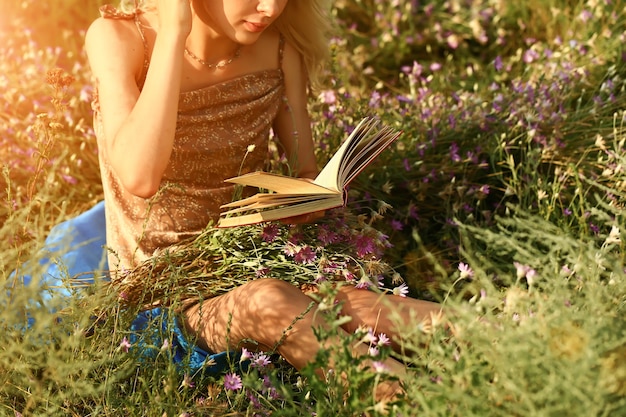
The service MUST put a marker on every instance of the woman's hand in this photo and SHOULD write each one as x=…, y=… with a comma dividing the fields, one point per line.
x=305, y=218
x=175, y=16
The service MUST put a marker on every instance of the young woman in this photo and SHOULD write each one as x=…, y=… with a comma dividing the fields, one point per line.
x=184, y=87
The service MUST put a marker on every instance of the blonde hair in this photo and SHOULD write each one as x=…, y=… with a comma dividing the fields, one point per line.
x=305, y=24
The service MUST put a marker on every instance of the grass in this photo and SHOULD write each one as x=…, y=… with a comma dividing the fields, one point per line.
x=504, y=199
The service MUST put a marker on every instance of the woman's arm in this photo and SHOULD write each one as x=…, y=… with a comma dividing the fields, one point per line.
x=139, y=127
x=298, y=147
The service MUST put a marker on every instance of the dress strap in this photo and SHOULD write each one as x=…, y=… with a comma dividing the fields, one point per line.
x=281, y=50
x=146, y=53
x=109, y=11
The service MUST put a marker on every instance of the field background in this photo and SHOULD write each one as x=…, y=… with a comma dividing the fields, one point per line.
x=503, y=199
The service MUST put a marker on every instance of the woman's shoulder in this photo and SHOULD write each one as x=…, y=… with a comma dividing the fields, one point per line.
x=115, y=43
x=104, y=30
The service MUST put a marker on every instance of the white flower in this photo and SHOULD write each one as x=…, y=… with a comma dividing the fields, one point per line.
x=614, y=236
x=251, y=148
x=379, y=367
x=465, y=271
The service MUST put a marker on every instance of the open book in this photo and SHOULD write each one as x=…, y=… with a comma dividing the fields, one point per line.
x=291, y=196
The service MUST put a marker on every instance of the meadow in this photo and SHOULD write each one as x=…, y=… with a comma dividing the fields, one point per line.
x=503, y=199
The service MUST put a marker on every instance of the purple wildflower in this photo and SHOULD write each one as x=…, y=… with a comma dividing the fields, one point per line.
x=454, y=152
x=261, y=271
x=327, y=236
x=187, y=382
x=363, y=284
x=245, y=355
x=407, y=164
x=383, y=340
x=232, y=382
x=291, y=249
x=364, y=245
x=397, y=225
x=306, y=255
x=269, y=233
x=328, y=97
x=497, y=64
x=125, y=344
x=260, y=360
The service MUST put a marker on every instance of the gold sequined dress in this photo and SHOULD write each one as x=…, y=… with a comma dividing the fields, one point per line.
x=215, y=127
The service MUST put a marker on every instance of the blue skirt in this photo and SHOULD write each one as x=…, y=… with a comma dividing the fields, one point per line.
x=78, y=246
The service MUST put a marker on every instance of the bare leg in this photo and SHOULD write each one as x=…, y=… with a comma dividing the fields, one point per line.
x=262, y=310
x=385, y=313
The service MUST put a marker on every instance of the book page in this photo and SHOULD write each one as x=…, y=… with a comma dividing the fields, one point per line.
x=323, y=203
x=329, y=176
x=364, y=144
x=262, y=201
x=279, y=183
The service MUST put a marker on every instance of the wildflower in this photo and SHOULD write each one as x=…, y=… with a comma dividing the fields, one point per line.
x=260, y=360
x=327, y=236
x=541, y=194
x=269, y=389
x=291, y=249
x=125, y=344
x=383, y=340
x=245, y=355
x=375, y=99
x=614, y=236
x=348, y=275
x=379, y=367
x=497, y=63
x=187, y=382
x=328, y=97
x=373, y=351
x=166, y=345
x=530, y=276
x=305, y=255
x=251, y=148
x=521, y=270
x=232, y=382
x=396, y=225
x=402, y=290
x=253, y=399
x=435, y=66
x=369, y=337
x=585, y=15
x=261, y=271
x=270, y=232
x=530, y=55
x=453, y=41
x=364, y=245
x=465, y=270
x=363, y=284
x=387, y=188
x=454, y=152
